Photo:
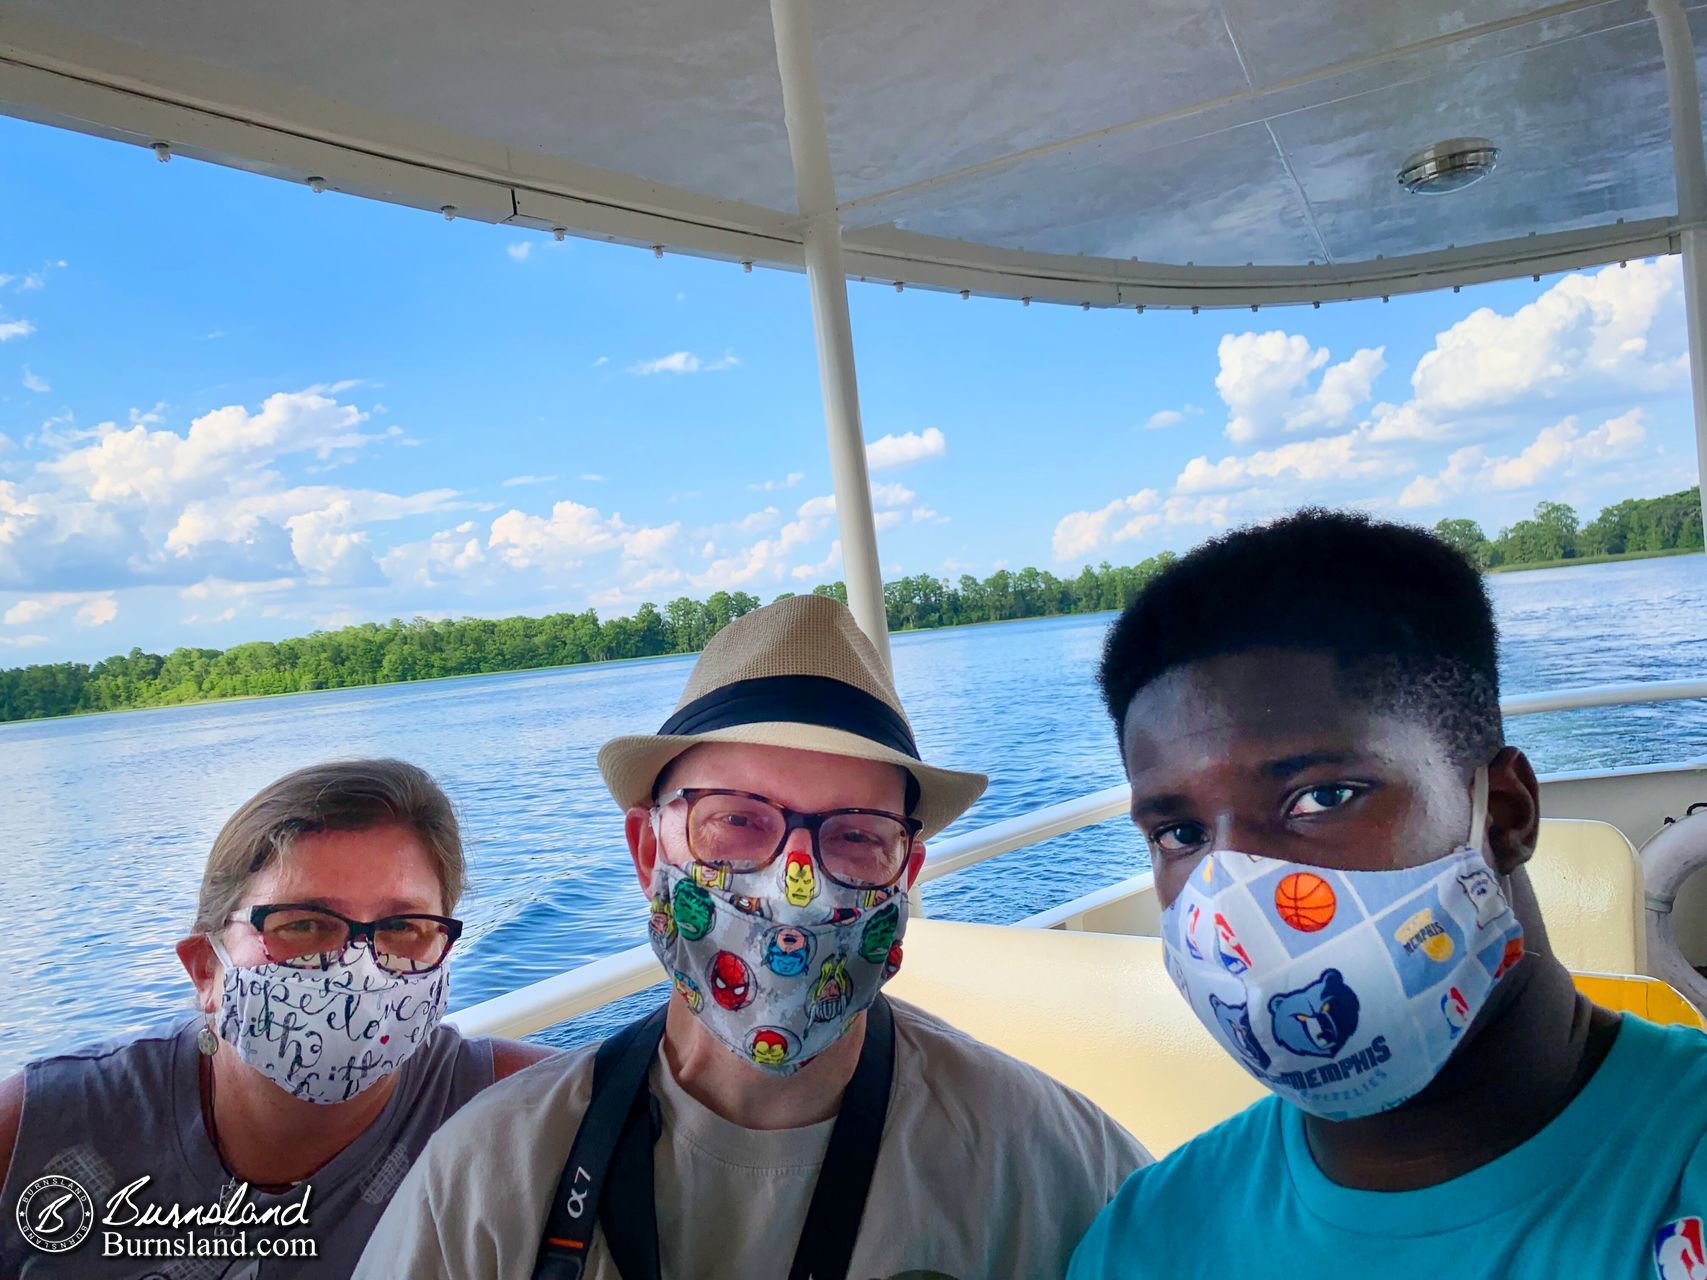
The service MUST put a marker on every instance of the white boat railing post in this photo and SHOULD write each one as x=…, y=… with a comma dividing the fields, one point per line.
x=1691, y=169
x=826, y=278
x=827, y=281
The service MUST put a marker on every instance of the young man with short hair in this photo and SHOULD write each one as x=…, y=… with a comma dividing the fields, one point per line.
x=778, y=1117
x=1309, y=715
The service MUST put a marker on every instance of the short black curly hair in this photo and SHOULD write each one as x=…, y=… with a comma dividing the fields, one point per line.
x=1405, y=614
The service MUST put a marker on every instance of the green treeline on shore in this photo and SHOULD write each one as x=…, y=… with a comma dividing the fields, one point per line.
x=1634, y=526
x=375, y=653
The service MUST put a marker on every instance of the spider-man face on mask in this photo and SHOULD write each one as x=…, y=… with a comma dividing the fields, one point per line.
x=731, y=981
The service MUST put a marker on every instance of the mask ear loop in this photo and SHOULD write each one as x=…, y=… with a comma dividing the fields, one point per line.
x=207, y=1039
x=1479, y=811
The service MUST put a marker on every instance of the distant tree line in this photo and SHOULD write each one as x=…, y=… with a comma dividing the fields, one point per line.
x=375, y=653
x=1636, y=525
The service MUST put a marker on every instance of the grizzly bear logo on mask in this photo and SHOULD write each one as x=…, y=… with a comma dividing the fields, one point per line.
x=1236, y=1022
x=1316, y=1020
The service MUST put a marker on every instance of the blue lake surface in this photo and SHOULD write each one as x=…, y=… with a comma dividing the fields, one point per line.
x=108, y=819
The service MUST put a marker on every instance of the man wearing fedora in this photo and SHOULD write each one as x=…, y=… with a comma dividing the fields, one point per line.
x=778, y=1117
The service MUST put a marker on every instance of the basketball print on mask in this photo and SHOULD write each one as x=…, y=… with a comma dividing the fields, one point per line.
x=1455, y=1008
x=1192, y=918
x=1234, y=958
x=1306, y=902
x=1316, y=1020
x=1484, y=894
x=1235, y=1020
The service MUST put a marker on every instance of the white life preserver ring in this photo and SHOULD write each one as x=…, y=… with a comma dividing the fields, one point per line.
x=1674, y=853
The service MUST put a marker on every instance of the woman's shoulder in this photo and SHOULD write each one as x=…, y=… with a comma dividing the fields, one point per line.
x=136, y=1056
x=511, y=1056
x=87, y=1095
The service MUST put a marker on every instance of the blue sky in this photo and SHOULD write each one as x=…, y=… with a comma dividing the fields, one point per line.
x=231, y=409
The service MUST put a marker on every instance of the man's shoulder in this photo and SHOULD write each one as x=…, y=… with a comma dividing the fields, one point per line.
x=1219, y=1164
x=948, y=1055
x=1156, y=1216
x=965, y=1076
x=541, y=1103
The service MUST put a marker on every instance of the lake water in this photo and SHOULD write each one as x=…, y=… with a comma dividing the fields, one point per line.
x=108, y=819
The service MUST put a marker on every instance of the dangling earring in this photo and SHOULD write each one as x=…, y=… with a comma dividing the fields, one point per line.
x=207, y=1043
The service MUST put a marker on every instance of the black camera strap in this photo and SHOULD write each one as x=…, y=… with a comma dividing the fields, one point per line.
x=607, y=1180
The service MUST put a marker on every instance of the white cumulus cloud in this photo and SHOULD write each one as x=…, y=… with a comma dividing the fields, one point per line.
x=1162, y=419
x=1561, y=450
x=93, y=608
x=1611, y=333
x=1338, y=459
x=904, y=450
x=1268, y=382
x=1080, y=533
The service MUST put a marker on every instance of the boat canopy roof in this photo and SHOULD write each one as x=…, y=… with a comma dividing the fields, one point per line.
x=1104, y=152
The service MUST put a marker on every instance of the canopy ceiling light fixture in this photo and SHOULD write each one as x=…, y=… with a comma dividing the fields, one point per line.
x=1448, y=166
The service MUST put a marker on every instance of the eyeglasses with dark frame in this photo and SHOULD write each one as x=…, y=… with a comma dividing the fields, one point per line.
x=303, y=935
x=857, y=848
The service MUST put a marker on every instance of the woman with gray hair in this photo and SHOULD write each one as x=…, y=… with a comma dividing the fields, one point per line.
x=289, y=1108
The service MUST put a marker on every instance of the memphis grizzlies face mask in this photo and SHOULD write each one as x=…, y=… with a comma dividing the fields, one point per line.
x=1344, y=992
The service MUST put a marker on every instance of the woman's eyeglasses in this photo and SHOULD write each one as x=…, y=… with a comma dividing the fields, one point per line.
x=304, y=936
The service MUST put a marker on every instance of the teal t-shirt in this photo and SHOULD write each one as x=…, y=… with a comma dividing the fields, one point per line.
x=1614, y=1188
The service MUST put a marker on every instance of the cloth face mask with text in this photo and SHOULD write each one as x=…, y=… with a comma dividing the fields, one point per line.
x=325, y=1035
x=778, y=971
x=1344, y=992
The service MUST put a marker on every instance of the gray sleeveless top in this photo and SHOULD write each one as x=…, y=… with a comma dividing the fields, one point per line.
x=107, y=1114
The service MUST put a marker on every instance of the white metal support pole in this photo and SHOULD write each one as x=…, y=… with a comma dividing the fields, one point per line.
x=809, y=144
x=1691, y=169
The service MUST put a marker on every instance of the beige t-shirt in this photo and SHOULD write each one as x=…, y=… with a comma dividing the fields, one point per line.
x=988, y=1168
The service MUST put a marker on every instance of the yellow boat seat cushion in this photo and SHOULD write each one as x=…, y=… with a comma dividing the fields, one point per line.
x=1588, y=881
x=1094, y=1010
x=1097, y=1012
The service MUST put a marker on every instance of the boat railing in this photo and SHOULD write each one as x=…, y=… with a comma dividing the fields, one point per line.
x=597, y=983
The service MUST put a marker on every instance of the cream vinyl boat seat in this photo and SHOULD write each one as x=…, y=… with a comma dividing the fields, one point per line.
x=1097, y=1012
x=1094, y=1010
x=1588, y=880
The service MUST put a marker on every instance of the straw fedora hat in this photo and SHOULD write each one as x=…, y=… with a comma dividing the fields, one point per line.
x=798, y=673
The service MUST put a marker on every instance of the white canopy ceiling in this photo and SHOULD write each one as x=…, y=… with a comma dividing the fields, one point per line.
x=1103, y=151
